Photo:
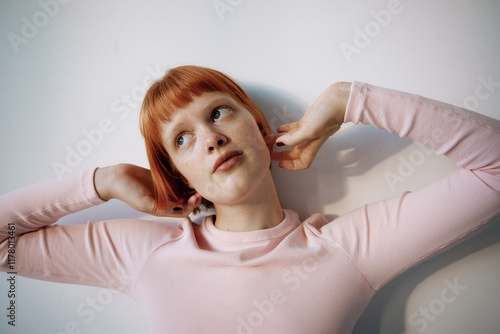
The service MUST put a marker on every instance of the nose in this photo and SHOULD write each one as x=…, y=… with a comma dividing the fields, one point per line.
x=215, y=140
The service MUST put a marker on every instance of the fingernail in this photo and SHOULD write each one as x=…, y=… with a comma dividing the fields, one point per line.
x=278, y=143
x=177, y=209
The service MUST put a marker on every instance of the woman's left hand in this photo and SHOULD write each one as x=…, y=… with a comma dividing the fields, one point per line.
x=321, y=120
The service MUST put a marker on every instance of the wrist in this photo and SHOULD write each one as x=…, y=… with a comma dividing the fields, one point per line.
x=103, y=182
x=342, y=91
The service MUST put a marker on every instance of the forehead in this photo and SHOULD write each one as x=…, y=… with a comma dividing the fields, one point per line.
x=200, y=105
x=202, y=102
x=205, y=102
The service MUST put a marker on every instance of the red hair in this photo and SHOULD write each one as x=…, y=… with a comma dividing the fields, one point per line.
x=174, y=91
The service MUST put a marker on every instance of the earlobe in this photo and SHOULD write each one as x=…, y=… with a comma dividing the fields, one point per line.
x=199, y=199
x=267, y=136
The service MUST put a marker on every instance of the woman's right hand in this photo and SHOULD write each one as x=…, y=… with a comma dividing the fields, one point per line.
x=133, y=185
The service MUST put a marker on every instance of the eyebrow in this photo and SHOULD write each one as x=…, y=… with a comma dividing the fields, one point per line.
x=173, y=127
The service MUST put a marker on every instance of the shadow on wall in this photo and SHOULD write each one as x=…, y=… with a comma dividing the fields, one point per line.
x=350, y=152
x=390, y=311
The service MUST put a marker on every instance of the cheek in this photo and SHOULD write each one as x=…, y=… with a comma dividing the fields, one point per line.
x=254, y=137
x=185, y=168
x=255, y=144
x=190, y=170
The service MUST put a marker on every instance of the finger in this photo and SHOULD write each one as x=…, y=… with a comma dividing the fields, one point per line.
x=292, y=159
x=271, y=139
x=293, y=165
x=302, y=162
x=303, y=158
x=287, y=127
x=285, y=155
x=308, y=155
x=146, y=204
x=296, y=152
x=182, y=210
x=173, y=211
x=296, y=137
x=193, y=202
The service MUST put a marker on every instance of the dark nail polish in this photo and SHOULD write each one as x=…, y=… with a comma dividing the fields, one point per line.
x=177, y=209
x=279, y=144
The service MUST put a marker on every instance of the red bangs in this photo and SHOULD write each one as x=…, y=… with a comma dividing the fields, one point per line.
x=179, y=85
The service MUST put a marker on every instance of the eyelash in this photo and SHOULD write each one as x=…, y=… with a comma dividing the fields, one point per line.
x=211, y=116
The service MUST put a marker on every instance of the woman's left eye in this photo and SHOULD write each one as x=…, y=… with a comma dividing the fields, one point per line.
x=183, y=140
x=220, y=113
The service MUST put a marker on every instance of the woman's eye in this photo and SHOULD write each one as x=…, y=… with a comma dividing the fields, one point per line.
x=183, y=140
x=219, y=113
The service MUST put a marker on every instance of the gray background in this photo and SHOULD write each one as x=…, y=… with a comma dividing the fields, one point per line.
x=69, y=67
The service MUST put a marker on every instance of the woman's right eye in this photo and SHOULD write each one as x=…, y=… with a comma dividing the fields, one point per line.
x=183, y=139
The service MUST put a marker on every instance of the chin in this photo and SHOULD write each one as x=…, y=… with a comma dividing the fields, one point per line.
x=240, y=183
x=242, y=188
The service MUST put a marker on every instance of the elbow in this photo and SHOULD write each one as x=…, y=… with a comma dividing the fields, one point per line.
x=491, y=179
x=4, y=258
x=7, y=254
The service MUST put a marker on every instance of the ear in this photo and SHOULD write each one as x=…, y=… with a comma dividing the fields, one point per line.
x=268, y=136
x=265, y=132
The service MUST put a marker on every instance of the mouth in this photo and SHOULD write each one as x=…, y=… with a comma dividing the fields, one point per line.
x=227, y=161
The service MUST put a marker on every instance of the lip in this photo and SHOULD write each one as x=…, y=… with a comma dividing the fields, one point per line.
x=226, y=161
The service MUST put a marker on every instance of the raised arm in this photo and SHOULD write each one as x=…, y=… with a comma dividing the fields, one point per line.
x=396, y=234
x=389, y=236
x=107, y=253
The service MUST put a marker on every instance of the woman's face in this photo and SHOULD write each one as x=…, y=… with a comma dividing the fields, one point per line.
x=216, y=144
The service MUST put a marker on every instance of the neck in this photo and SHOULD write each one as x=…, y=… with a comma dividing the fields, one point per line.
x=260, y=210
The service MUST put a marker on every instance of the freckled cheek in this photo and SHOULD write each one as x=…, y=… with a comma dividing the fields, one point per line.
x=189, y=169
x=195, y=172
x=257, y=150
x=248, y=134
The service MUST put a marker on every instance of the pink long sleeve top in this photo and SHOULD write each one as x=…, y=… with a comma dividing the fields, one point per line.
x=314, y=276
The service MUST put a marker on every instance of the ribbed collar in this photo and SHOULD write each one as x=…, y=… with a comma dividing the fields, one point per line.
x=290, y=222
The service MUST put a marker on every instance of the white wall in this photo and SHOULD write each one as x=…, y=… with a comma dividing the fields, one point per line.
x=87, y=62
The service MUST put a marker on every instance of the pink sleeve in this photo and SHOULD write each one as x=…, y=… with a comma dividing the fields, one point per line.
x=105, y=254
x=385, y=238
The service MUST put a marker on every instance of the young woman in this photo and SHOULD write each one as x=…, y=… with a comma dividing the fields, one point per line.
x=253, y=267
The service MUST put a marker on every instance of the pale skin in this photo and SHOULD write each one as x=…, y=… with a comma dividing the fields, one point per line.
x=244, y=196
